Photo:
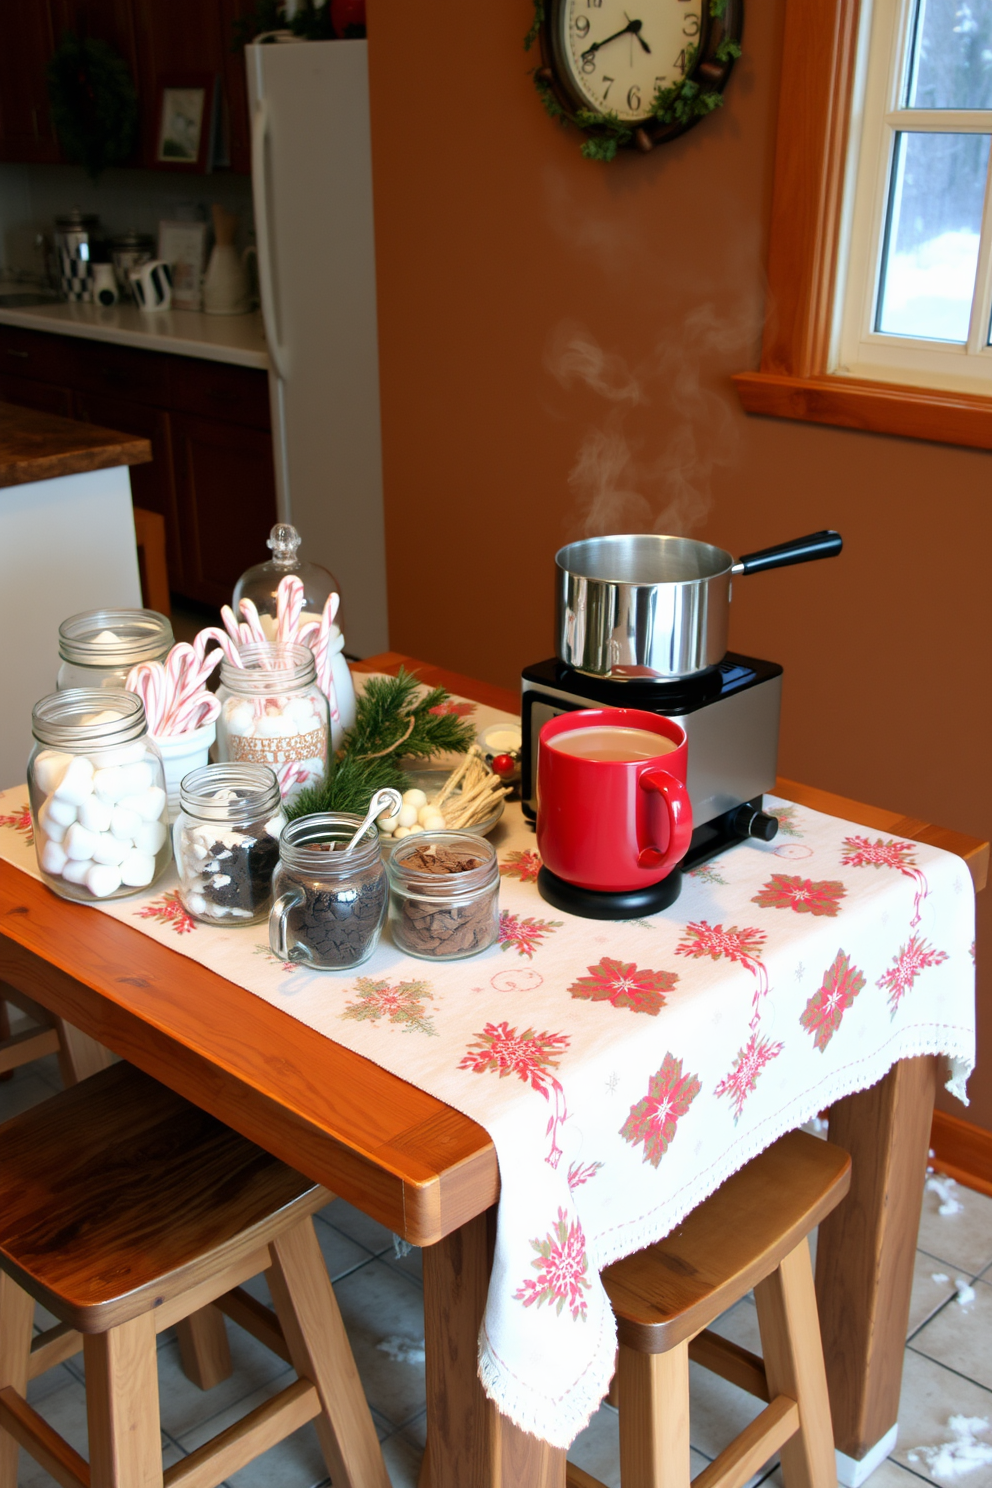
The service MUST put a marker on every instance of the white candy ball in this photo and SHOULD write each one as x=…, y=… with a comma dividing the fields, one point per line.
x=412, y=831
x=53, y=858
x=49, y=768
x=401, y=832
x=431, y=819
x=416, y=798
x=75, y=872
x=149, y=837
x=110, y=849
x=138, y=869
x=109, y=784
x=62, y=812
x=407, y=815
x=95, y=814
x=103, y=879
x=79, y=843
x=77, y=782
x=149, y=805
x=124, y=823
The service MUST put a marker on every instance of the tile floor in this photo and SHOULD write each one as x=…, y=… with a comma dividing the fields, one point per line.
x=948, y=1366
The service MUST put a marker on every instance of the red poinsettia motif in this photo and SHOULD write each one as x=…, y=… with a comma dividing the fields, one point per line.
x=653, y=1120
x=912, y=958
x=525, y=934
x=501, y=1050
x=460, y=710
x=859, y=852
x=523, y=865
x=748, y=1064
x=823, y=1013
x=20, y=821
x=625, y=986
x=402, y=1004
x=743, y=945
x=577, y=1174
x=561, y=1267
x=168, y=910
x=783, y=891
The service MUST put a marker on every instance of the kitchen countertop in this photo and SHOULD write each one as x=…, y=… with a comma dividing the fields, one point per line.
x=237, y=339
x=40, y=446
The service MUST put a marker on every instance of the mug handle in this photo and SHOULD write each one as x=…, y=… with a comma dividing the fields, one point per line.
x=676, y=799
x=278, y=915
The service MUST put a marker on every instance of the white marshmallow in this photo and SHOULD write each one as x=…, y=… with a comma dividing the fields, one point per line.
x=239, y=715
x=103, y=879
x=124, y=823
x=110, y=849
x=62, y=812
x=149, y=837
x=137, y=869
x=107, y=716
x=137, y=777
x=416, y=798
x=196, y=904
x=149, y=805
x=95, y=814
x=54, y=831
x=301, y=711
x=119, y=754
x=77, y=782
x=407, y=814
x=53, y=858
x=109, y=783
x=49, y=768
x=75, y=872
x=105, y=638
x=275, y=825
x=79, y=843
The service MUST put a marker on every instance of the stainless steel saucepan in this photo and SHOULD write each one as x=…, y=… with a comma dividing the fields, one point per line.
x=653, y=609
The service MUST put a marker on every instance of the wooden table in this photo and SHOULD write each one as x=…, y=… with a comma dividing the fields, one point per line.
x=430, y=1173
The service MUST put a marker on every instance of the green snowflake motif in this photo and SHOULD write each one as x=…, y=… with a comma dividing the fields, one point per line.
x=707, y=873
x=786, y=818
x=402, y=1004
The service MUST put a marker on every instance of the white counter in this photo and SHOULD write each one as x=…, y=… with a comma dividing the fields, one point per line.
x=238, y=339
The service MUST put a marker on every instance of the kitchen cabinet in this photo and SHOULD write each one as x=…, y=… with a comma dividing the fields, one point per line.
x=26, y=132
x=211, y=475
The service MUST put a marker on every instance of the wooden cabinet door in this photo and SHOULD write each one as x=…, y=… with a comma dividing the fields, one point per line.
x=236, y=88
x=26, y=47
x=102, y=20
x=227, y=502
x=41, y=395
x=175, y=39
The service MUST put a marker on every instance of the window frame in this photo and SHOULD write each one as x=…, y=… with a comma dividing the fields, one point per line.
x=811, y=193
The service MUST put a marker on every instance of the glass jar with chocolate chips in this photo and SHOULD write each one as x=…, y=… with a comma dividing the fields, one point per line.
x=444, y=895
x=226, y=841
x=330, y=904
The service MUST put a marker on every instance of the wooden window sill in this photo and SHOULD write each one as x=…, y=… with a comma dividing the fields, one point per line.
x=879, y=407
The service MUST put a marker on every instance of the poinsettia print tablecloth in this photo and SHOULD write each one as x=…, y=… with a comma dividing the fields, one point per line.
x=624, y=1070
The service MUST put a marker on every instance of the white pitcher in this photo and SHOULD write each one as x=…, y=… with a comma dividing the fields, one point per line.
x=226, y=284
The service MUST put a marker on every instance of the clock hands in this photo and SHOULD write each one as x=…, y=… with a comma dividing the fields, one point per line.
x=632, y=28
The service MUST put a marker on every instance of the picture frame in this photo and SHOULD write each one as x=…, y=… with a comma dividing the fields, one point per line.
x=183, y=245
x=186, y=122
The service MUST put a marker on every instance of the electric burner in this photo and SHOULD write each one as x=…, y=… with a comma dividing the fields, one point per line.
x=617, y=904
x=730, y=713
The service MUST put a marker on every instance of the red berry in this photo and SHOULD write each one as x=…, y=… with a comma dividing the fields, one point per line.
x=504, y=764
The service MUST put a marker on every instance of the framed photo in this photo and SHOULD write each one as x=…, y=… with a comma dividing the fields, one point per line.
x=183, y=245
x=186, y=122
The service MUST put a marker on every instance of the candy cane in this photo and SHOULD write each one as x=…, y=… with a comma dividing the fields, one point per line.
x=194, y=713
x=227, y=645
x=146, y=680
x=289, y=607
x=250, y=614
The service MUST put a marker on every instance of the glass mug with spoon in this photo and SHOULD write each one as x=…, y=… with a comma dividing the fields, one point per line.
x=613, y=812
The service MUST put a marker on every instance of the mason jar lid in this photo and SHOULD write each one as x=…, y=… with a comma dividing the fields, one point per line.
x=305, y=844
x=234, y=793
x=76, y=218
x=132, y=239
x=88, y=717
x=110, y=639
x=270, y=667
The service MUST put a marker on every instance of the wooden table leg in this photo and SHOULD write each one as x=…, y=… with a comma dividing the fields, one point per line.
x=864, y=1259
x=468, y=1441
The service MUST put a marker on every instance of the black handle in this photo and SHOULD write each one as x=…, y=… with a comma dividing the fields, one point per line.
x=825, y=544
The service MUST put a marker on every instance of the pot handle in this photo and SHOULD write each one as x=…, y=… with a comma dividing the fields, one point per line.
x=826, y=544
x=676, y=799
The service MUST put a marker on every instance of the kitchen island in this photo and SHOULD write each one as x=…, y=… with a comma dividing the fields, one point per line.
x=66, y=544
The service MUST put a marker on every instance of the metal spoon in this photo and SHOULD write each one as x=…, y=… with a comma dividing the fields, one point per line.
x=382, y=798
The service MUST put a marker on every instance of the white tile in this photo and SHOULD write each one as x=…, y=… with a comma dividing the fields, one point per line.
x=185, y=1407
x=597, y=1449
x=964, y=1239
x=209, y=1426
x=340, y=1253
x=296, y=1462
x=358, y=1226
x=928, y=1295
x=411, y=1265
x=960, y=1336
x=402, y=1459
x=378, y=1303
x=931, y=1394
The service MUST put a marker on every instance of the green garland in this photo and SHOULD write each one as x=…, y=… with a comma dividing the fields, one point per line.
x=94, y=105
x=390, y=721
x=679, y=103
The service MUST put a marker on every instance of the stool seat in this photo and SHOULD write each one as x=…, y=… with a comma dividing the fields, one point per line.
x=110, y=1257
x=668, y=1292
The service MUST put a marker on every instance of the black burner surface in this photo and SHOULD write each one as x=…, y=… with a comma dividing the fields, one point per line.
x=594, y=904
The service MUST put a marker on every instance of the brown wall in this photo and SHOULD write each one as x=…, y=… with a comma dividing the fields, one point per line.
x=495, y=240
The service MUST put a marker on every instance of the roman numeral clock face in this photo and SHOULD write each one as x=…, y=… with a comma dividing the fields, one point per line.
x=618, y=53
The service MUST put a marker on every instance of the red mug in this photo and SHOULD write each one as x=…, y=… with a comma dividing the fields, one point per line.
x=612, y=825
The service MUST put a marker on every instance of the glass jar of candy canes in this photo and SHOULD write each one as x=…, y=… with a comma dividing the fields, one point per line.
x=226, y=841
x=99, y=647
x=273, y=713
x=97, y=794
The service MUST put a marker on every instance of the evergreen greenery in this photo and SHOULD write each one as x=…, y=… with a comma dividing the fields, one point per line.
x=94, y=105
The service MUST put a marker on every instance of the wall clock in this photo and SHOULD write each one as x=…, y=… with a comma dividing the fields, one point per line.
x=634, y=73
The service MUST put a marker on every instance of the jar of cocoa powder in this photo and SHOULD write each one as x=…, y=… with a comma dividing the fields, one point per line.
x=443, y=895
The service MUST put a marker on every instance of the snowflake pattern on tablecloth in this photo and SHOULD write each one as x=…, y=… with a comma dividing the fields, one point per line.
x=786, y=818
x=785, y=891
x=823, y=1013
x=561, y=1267
x=912, y=958
x=859, y=852
x=526, y=935
x=20, y=821
x=652, y=1121
x=577, y=1174
x=743, y=1077
x=167, y=909
x=402, y=1004
x=524, y=865
x=742, y=945
x=624, y=985
x=501, y=1050
x=261, y=949
x=460, y=709
x=707, y=873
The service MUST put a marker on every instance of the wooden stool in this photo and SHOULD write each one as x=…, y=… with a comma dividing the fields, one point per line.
x=79, y=1055
x=123, y=1209
x=750, y=1233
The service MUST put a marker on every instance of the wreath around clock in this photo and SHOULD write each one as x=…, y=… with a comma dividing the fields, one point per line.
x=673, y=109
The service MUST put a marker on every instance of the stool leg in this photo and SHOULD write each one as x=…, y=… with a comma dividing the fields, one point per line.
x=654, y=1418
x=122, y=1406
x=318, y=1345
x=793, y=1355
x=204, y=1348
x=79, y=1055
x=16, y=1320
x=5, y=1034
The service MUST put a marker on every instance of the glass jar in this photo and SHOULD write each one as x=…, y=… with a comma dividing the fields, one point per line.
x=443, y=895
x=99, y=647
x=273, y=713
x=261, y=583
x=97, y=794
x=226, y=842
x=329, y=905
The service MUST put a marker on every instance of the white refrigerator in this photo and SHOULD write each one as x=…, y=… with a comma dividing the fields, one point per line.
x=312, y=186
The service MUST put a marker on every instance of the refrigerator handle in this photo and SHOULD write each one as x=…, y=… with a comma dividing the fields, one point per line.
x=266, y=289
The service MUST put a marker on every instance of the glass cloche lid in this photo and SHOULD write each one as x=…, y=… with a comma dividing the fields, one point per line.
x=261, y=583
